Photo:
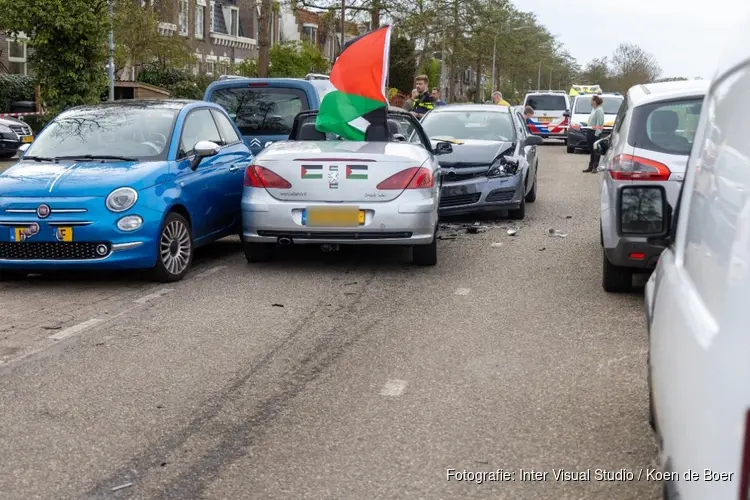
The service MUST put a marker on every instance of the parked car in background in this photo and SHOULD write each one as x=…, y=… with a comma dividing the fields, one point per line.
x=551, y=113
x=581, y=110
x=697, y=300
x=13, y=134
x=314, y=190
x=650, y=144
x=126, y=185
x=494, y=165
x=264, y=108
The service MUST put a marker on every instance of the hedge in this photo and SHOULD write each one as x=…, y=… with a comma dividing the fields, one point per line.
x=15, y=88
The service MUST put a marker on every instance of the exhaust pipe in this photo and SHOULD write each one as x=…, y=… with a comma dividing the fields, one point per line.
x=284, y=241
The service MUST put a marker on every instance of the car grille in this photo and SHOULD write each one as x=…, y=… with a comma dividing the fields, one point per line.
x=21, y=129
x=51, y=250
x=454, y=176
x=461, y=199
x=330, y=235
x=500, y=195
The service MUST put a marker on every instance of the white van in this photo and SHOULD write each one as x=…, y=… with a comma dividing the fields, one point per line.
x=698, y=299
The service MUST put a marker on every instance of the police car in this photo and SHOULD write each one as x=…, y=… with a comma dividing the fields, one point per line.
x=551, y=113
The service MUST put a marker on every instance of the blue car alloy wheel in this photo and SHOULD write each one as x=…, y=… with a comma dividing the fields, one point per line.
x=175, y=249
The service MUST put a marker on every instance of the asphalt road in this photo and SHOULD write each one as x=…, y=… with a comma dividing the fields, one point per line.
x=343, y=375
x=4, y=164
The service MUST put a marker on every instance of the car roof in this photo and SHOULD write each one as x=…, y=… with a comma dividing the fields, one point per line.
x=175, y=104
x=654, y=92
x=238, y=81
x=492, y=108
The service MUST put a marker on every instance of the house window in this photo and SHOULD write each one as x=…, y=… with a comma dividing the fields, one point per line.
x=183, y=17
x=200, y=13
x=210, y=68
x=234, y=21
x=212, y=15
x=17, y=57
x=310, y=33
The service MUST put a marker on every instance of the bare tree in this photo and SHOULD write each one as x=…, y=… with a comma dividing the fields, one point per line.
x=633, y=66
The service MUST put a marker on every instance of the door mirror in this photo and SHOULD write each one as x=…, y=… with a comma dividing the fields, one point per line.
x=533, y=140
x=203, y=149
x=443, y=148
x=268, y=143
x=602, y=146
x=566, y=113
x=22, y=150
x=644, y=212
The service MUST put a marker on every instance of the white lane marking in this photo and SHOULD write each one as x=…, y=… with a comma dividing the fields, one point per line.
x=393, y=388
x=68, y=332
x=209, y=272
x=152, y=296
x=463, y=291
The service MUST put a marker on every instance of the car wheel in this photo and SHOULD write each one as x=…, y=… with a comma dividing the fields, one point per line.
x=531, y=197
x=174, y=250
x=615, y=279
x=9, y=275
x=258, y=252
x=520, y=212
x=425, y=255
x=570, y=149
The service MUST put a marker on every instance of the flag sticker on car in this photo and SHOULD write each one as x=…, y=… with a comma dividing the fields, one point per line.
x=312, y=171
x=356, y=172
x=333, y=177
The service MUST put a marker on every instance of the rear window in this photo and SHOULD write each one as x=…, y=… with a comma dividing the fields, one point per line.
x=611, y=105
x=666, y=127
x=547, y=102
x=262, y=111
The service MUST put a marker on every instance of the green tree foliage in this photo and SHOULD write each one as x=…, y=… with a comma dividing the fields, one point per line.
x=431, y=68
x=15, y=88
x=67, y=46
x=248, y=67
x=138, y=41
x=179, y=83
x=295, y=60
x=402, y=64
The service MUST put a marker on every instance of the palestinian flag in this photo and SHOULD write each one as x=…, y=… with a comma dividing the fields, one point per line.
x=312, y=171
x=356, y=172
x=359, y=78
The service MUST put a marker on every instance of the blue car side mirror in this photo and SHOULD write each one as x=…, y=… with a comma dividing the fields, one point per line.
x=203, y=149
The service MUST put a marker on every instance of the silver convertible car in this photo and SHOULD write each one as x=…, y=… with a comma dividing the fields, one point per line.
x=493, y=166
x=317, y=189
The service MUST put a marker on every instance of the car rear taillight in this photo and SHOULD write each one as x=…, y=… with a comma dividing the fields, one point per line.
x=257, y=84
x=260, y=177
x=411, y=178
x=637, y=168
x=745, y=464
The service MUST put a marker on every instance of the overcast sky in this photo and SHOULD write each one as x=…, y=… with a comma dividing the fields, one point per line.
x=683, y=35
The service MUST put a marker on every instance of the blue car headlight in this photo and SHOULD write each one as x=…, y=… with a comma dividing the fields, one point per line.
x=503, y=167
x=121, y=199
x=129, y=223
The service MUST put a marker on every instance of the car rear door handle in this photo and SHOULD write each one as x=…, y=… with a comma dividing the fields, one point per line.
x=236, y=166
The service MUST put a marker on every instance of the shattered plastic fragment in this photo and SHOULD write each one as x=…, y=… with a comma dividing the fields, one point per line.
x=496, y=244
x=122, y=486
x=512, y=232
x=555, y=233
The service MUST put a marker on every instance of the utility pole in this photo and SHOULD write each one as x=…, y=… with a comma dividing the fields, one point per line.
x=111, y=68
x=539, y=77
x=550, y=79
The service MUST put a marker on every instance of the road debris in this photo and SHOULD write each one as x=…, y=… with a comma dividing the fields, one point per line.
x=556, y=233
x=277, y=305
x=352, y=283
x=52, y=327
x=496, y=244
x=512, y=232
x=122, y=486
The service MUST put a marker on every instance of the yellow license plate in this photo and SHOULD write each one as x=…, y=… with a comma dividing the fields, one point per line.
x=334, y=217
x=64, y=233
x=28, y=139
x=546, y=119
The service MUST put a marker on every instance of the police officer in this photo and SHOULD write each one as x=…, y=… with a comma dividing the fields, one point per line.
x=425, y=102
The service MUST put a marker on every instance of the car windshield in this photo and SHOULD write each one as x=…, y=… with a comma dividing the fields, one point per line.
x=467, y=125
x=611, y=105
x=262, y=110
x=547, y=102
x=140, y=132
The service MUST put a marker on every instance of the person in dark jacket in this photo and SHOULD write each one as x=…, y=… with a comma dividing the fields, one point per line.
x=424, y=103
x=436, y=96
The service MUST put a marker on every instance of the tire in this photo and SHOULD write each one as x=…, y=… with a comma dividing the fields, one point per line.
x=531, y=197
x=174, y=250
x=425, y=255
x=7, y=156
x=570, y=149
x=615, y=279
x=520, y=212
x=10, y=275
x=258, y=252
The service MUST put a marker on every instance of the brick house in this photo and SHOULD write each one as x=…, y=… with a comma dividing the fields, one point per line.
x=306, y=25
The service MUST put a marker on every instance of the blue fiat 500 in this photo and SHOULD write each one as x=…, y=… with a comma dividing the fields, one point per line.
x=126, y=185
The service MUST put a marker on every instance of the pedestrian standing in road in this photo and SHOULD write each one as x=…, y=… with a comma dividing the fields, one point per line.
x=497, y=98
x=436, y=96
x=594, y=131
x=424, y=103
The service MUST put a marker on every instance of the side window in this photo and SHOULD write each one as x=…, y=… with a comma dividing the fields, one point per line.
x=666, y=127
x=226, y=128
x=408, y=129
x=715, y=224
x=621, y=115
x=522, y=131
x=199, y=126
